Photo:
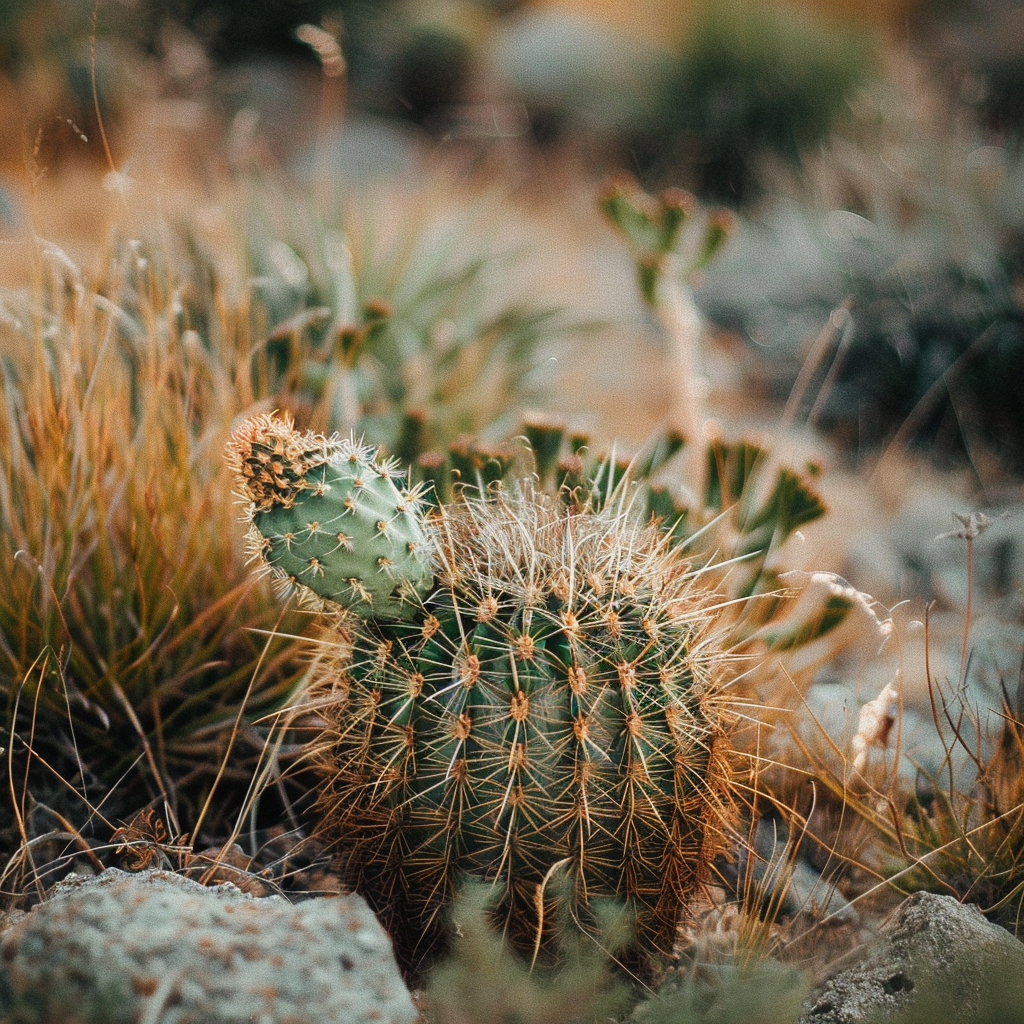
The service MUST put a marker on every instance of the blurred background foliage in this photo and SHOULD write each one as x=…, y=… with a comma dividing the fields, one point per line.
x=872, y=154
x=696, y=93
x=702, y=95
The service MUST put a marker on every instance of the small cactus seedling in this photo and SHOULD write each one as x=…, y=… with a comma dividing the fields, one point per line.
x=545, y=708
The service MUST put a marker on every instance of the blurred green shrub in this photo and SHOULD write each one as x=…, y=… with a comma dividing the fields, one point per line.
x=929, y=344
x=765, y=992
x=483, y=982
x=754, y=82
x=751, y=82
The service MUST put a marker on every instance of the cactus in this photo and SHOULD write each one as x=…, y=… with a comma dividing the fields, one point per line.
x=546, y=709
x=329, y=517
x=653, y=226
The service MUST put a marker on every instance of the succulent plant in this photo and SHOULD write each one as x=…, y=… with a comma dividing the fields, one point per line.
x=366, y=326
x=653, y=226
x=545, y=708
x=329, y=516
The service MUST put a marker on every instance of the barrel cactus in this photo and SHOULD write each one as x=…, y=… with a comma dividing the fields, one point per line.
x=524, y=690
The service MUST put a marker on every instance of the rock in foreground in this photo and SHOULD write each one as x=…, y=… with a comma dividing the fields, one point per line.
x=938, y=960
x=157, y=946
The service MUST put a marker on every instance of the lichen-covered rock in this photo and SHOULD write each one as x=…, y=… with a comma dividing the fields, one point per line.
x=937, y=959
x=156, y=946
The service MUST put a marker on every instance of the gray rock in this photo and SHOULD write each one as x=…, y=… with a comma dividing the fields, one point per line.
x=154, y=946
x=594, y=77
x=936, y=957
x=364, y=149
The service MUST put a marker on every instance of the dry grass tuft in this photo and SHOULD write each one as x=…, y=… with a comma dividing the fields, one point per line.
x=131, y=673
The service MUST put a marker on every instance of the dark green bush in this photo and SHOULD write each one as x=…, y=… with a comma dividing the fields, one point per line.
x=755, y=82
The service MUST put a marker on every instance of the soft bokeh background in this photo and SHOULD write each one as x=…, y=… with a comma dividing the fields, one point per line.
x=866, y=314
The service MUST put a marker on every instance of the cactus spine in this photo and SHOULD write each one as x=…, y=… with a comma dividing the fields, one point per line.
x=547, y=711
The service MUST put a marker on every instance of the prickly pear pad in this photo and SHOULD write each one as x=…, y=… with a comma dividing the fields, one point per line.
x=330, y=518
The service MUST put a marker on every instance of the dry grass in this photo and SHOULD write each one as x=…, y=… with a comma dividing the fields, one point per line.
x=131, y=673
x=950, y=823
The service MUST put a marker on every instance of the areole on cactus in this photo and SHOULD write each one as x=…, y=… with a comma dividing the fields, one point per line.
x=535, y=695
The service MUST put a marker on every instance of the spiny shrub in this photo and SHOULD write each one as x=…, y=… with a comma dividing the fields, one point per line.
x=543, y=693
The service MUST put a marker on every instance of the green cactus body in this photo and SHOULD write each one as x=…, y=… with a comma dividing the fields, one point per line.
x=327, y=516
x=551, y=718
